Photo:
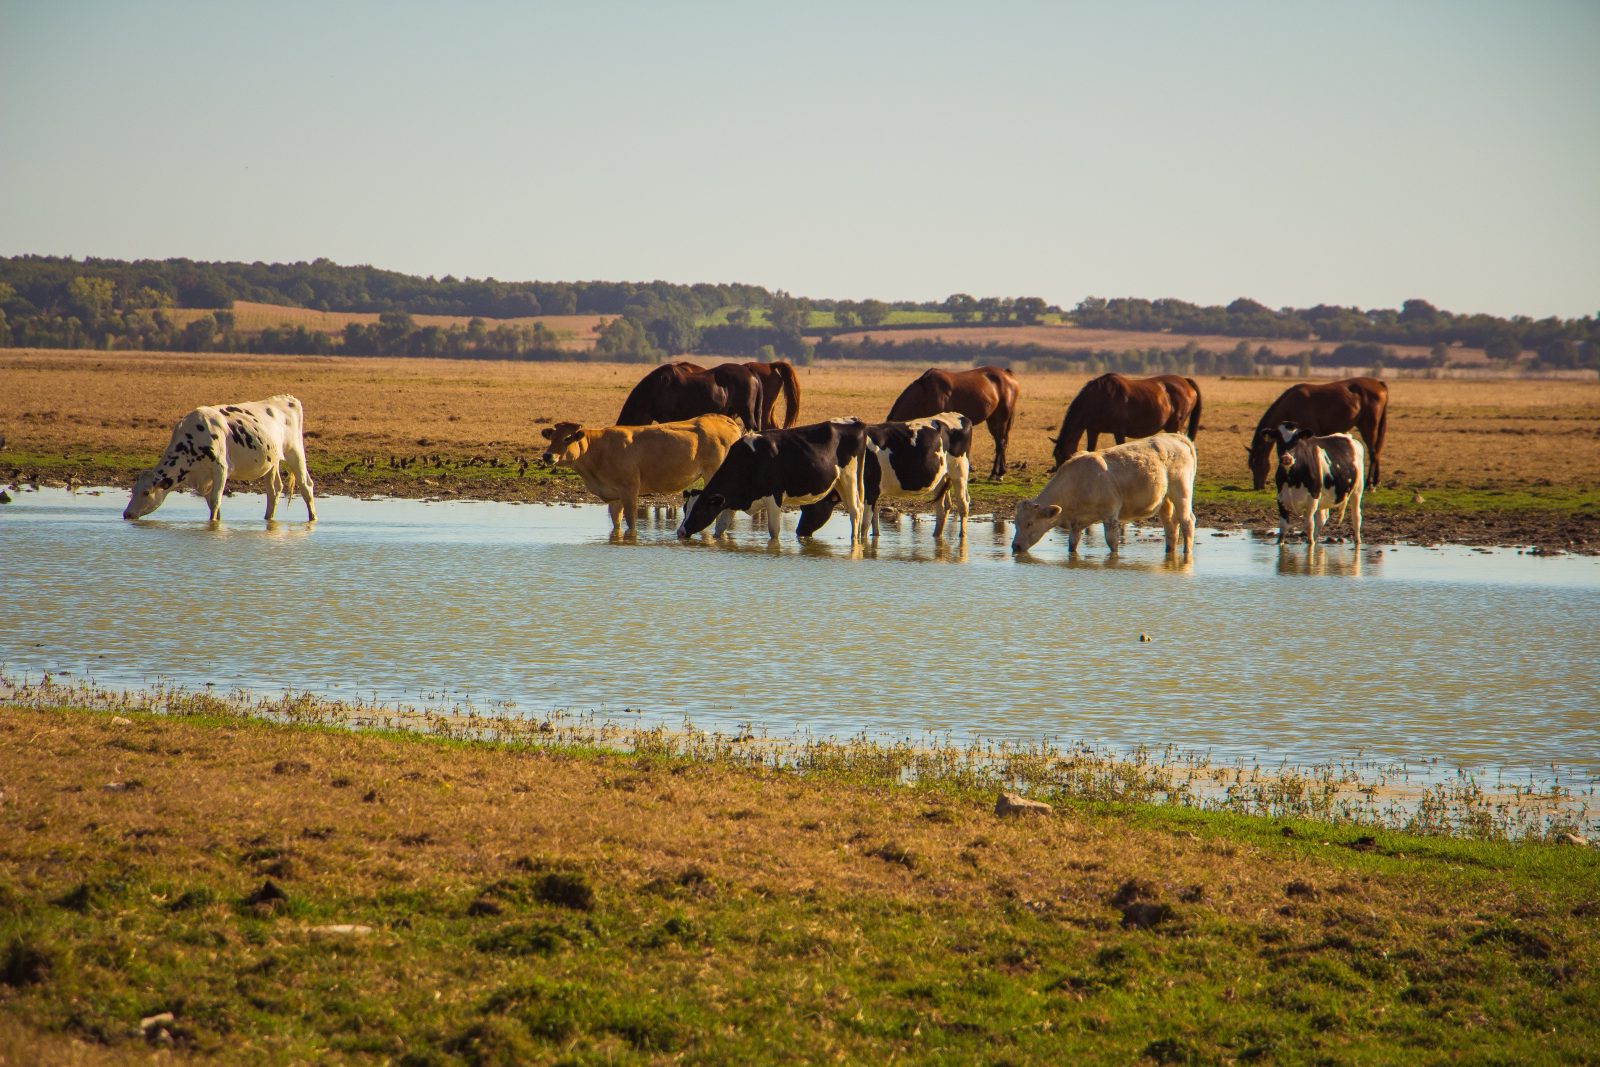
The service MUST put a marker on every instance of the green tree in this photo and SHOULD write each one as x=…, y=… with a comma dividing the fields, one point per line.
x=873, y=312
x=625, y=339
x=1030, y=309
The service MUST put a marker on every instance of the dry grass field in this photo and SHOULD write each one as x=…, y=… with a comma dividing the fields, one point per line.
x=578, y=332
x=346, y=896
x=1490, y=435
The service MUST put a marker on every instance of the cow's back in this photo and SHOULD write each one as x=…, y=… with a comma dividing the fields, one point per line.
x=1143, y=472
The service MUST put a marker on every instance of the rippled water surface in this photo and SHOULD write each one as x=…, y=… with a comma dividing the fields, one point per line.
x=1484, y=659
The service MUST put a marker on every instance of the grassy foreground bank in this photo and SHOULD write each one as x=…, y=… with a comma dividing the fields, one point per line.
x=294, y=893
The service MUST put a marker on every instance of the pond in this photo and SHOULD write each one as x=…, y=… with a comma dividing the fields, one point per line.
x=1445, y=658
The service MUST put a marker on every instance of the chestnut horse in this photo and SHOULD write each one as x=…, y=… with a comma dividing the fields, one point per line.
x=983, y=394
x=1128, y=407
x=1361, y=404
x=677, y=391
x=777, y=379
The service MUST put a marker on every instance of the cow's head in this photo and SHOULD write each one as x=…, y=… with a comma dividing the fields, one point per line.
x=566, y=443
x=735, y=485
x=149, y=490
x=1033, y=521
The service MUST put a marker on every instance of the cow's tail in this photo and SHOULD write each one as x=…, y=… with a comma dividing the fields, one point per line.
x=1194, y=416
x=791, y=391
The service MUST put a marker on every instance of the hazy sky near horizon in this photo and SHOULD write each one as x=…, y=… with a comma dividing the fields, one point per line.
x=1296, y=153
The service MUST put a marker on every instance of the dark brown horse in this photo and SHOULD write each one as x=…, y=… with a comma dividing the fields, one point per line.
x=777, y=379
x=675, y=391
x=1361, y=404
x=1128, y=407
x=983, y=394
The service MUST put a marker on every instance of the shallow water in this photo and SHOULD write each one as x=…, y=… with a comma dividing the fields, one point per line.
x=1488, y=660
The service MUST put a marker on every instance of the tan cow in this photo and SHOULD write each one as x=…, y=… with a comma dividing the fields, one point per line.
x=619, y=463
x=1131, y=481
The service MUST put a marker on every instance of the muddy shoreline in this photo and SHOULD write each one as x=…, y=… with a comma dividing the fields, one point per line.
x=1545, y=531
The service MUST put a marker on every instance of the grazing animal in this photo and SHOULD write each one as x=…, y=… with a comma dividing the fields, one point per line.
x=1314, y=476
x=983, y=394
x=1132, y=481
x=799, y=466
x=1361, y=404
x=777, y=380
x=677, y=391
x=242, y=441
x=922, y=459
x=619, y=463
x=1128, y=407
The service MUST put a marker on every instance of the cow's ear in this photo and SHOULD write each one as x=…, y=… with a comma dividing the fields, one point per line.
x=165, y=483
x=713, y=500
x=1050, y=511
x=546, y=433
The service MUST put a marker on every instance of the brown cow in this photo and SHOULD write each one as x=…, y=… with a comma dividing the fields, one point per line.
x=619, y=463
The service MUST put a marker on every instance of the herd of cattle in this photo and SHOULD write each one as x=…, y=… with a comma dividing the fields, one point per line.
x=684, y=424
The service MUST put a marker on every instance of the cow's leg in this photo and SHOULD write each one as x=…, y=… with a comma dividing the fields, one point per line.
x=1074, y=533
x=299, y=472
x=274, y=487
x=724, y=521
x=874, y=509
x=774, y=518
x=849, y=488
x=1355, y=515
x=1169, y=525
x=1113, y=528
x=614, y=509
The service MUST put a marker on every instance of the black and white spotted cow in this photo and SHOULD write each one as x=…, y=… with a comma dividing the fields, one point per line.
x=776, y=467
x=922, y=459
x=243, y=441
x=1316, y=475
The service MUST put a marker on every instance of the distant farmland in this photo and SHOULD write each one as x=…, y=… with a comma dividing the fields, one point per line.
x=577, y=332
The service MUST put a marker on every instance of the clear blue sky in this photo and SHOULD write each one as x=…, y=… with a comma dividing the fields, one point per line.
x=1349, y=152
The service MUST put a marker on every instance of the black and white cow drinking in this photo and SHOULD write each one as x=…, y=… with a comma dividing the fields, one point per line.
x=922, y=459
x=1316, y=475
x=795, y=466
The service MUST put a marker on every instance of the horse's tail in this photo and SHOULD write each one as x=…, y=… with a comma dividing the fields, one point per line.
x=791, y=391
x=1194, y=416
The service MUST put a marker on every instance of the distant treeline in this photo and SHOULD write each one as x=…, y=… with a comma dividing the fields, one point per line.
x=1557, y=342
x=1241, y=359
x=61, y=302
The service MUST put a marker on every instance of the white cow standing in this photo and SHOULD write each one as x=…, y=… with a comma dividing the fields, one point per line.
x=244, y=441
x=1131, y=481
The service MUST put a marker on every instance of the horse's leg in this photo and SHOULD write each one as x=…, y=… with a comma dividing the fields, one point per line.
x=1089, y=439
x=1119, y=437
x=1000, y=430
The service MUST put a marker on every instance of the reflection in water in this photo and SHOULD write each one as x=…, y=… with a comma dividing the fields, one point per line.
x=1342, y=561
x=1437, y=653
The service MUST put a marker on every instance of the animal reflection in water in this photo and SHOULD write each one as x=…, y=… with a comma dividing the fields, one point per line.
x=1318, y=561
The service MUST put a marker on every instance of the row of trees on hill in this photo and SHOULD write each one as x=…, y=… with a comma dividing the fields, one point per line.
x=1557, y=342
x=52, y=301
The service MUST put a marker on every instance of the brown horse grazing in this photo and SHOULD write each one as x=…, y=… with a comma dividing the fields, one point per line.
x=1361, y=404
x=1128, y=407
x=777, y=379
x=983, y=394
x=677, y=391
